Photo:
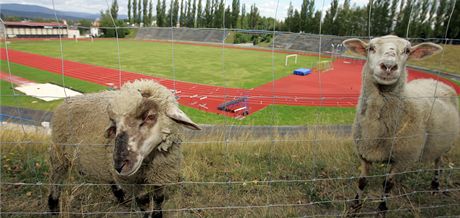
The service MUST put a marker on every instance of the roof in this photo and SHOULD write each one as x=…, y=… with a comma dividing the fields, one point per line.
x=34, y=24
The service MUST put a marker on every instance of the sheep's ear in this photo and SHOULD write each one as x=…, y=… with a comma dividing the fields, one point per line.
x=356, y=46
x=424, y=50
x=180, y=117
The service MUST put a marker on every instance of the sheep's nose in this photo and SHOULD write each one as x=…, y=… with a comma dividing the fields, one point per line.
x=389, y=66
x=120, y=164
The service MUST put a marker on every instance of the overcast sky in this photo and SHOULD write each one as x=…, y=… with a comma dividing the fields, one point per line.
x=267, y=7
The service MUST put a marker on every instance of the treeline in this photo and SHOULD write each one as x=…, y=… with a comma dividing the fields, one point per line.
x=427, y=18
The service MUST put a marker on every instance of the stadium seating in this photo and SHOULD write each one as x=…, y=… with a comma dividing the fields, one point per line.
x=306, y=42
x=182, y=34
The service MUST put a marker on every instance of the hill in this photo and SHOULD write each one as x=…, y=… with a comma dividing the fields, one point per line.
x=35, y=11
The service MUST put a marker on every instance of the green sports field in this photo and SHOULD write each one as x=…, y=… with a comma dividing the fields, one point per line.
x=198, y=64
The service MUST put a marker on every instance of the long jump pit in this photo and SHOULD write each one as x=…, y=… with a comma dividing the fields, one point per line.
x=46, y=91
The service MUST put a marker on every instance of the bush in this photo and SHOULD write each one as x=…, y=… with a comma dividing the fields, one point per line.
x=241, y=38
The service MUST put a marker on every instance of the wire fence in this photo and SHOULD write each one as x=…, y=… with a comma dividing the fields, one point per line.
x=226, y=173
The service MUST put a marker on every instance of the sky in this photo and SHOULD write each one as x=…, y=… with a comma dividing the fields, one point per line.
x=267, y=7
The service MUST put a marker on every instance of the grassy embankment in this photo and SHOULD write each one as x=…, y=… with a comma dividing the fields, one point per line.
x=312, y=174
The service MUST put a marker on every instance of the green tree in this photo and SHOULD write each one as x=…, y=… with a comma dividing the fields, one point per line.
x=182, y=14
x=139, y=11
x=235, y=13
x=150, y=16
x=199, y=15
x=135, y=11
x=175, y=12
x=84, y=26
x=145, y=15
x=329, y=19
x=188, y=16
x=253, y=17
x=208, y=14
x=454, y=30
x=289, y=19
x=129, y=12
x=243, y=17
x=114, y=9
x=193, y=15
x=107, y=21
x=163, y=14
x=159, y=14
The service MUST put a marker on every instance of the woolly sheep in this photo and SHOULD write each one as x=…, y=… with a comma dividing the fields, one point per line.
x=398, y=122
x=129, y=136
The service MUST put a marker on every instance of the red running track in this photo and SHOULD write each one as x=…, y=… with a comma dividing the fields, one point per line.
x=338, y=87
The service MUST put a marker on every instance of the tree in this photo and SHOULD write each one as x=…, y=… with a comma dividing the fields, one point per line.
x=228, y=17
x=139, y=12
x=454, y=30
x=253, y=16
x=175, y=12
x=84, y=26
x=193, y=15
x=235, y=13
x=159, y=14
x=290, y=16
x=145, y=17
x=329, y=19
x=107, y=21
x=182, y=14
x=135, y=11
x=208, y=14
x=199, y=15
x=114, y=10
x=129, y=11
x=243, y=17
x=188, y=16
x=394, y=5
x=163, y=14
x=150, y=17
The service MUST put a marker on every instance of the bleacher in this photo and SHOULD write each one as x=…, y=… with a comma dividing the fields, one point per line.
x=182, y=34
x=306, y=42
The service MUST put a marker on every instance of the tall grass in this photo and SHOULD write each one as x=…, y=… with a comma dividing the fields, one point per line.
x=305, y=175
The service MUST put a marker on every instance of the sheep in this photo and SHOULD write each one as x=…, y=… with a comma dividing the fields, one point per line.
x=123, y=137
x=398, y=122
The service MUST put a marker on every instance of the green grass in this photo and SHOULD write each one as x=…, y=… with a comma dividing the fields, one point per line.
x=253, y=161
x=280, y=115
x=199, y=64
x=39, y=76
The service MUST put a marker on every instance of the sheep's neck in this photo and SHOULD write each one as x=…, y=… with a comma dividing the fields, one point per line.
x=384, y=105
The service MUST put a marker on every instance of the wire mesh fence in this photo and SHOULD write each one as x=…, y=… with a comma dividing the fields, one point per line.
x=312, y=172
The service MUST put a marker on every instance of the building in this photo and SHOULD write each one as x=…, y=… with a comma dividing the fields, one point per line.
x=27, y=29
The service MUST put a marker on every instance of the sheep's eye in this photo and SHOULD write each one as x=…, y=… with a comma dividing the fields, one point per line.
x=151, y=118
x=406, y=51
x=371, y=48
x=111, y=131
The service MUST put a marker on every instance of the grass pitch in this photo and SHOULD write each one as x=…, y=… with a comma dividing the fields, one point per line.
x=226, y=67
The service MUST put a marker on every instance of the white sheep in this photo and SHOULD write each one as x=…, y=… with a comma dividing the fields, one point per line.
x=398, y=122
x=129, y=136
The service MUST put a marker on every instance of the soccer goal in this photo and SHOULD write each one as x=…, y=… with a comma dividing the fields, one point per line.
x=290, y=56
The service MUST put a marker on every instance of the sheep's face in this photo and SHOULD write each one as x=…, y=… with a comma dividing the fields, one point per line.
x=139, y=131
x=387, y=56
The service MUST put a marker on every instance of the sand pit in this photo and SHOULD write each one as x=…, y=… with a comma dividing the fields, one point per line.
x=46, y=91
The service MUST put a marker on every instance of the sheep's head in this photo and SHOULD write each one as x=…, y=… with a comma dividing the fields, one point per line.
x=142, y=115
x=387, y=56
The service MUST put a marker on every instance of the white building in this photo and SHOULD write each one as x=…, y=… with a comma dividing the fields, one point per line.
x=35, y=30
